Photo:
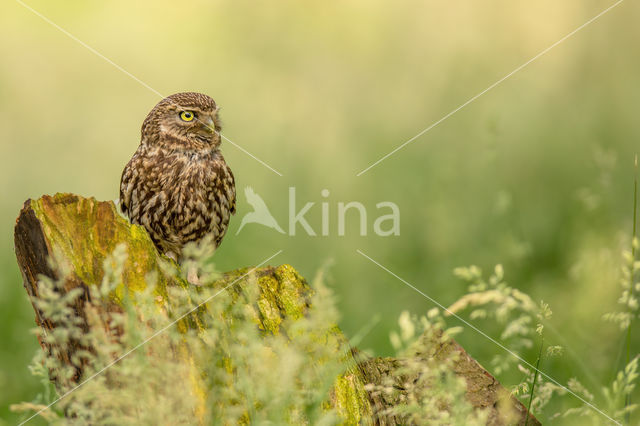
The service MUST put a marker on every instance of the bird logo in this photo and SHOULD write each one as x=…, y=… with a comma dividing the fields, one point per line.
x=260, y=213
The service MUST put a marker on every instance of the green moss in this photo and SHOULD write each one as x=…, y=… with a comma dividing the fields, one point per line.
x=270, y=315
x=350, y=399
x=83, y=232
x=293, y=291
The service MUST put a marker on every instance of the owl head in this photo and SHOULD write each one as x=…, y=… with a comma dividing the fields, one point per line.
x=184, y=120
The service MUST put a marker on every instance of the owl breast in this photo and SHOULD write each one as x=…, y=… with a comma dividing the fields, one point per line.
x=178, y=197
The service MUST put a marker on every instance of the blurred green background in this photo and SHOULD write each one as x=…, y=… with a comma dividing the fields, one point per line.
x=537, y=174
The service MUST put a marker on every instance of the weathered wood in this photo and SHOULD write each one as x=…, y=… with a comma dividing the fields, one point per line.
x=81, y=232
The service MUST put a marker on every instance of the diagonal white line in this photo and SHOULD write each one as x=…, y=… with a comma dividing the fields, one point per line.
x=422, y=132
x=148, y=339
x=118, y=67
x=251, y=155
x=85, y=45
x=551, y=379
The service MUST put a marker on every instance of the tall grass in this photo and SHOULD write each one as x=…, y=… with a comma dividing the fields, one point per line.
x=627, y=400
x=265, y=379
x=228, y=371
x=253, y=377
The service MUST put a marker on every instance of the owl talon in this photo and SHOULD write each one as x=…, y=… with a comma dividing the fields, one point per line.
x=192, y=277
x=171, y=255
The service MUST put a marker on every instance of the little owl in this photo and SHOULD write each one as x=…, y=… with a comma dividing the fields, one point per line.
x=177, y=185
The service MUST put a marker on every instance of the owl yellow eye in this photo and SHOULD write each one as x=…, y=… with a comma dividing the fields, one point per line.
x=187, y=116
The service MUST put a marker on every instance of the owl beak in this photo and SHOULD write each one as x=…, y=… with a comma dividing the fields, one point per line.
x=209, y=124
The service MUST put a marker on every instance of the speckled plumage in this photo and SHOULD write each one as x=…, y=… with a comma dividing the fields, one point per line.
x=177, y=185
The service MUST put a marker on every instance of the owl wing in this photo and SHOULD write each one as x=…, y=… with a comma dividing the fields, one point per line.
x=137, y=185
x=232, y=191
x=126, y=188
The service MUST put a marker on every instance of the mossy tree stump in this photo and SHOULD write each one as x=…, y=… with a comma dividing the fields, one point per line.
x=83, y=232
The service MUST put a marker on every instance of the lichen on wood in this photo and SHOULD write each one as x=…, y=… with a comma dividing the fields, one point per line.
x=80, y=233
